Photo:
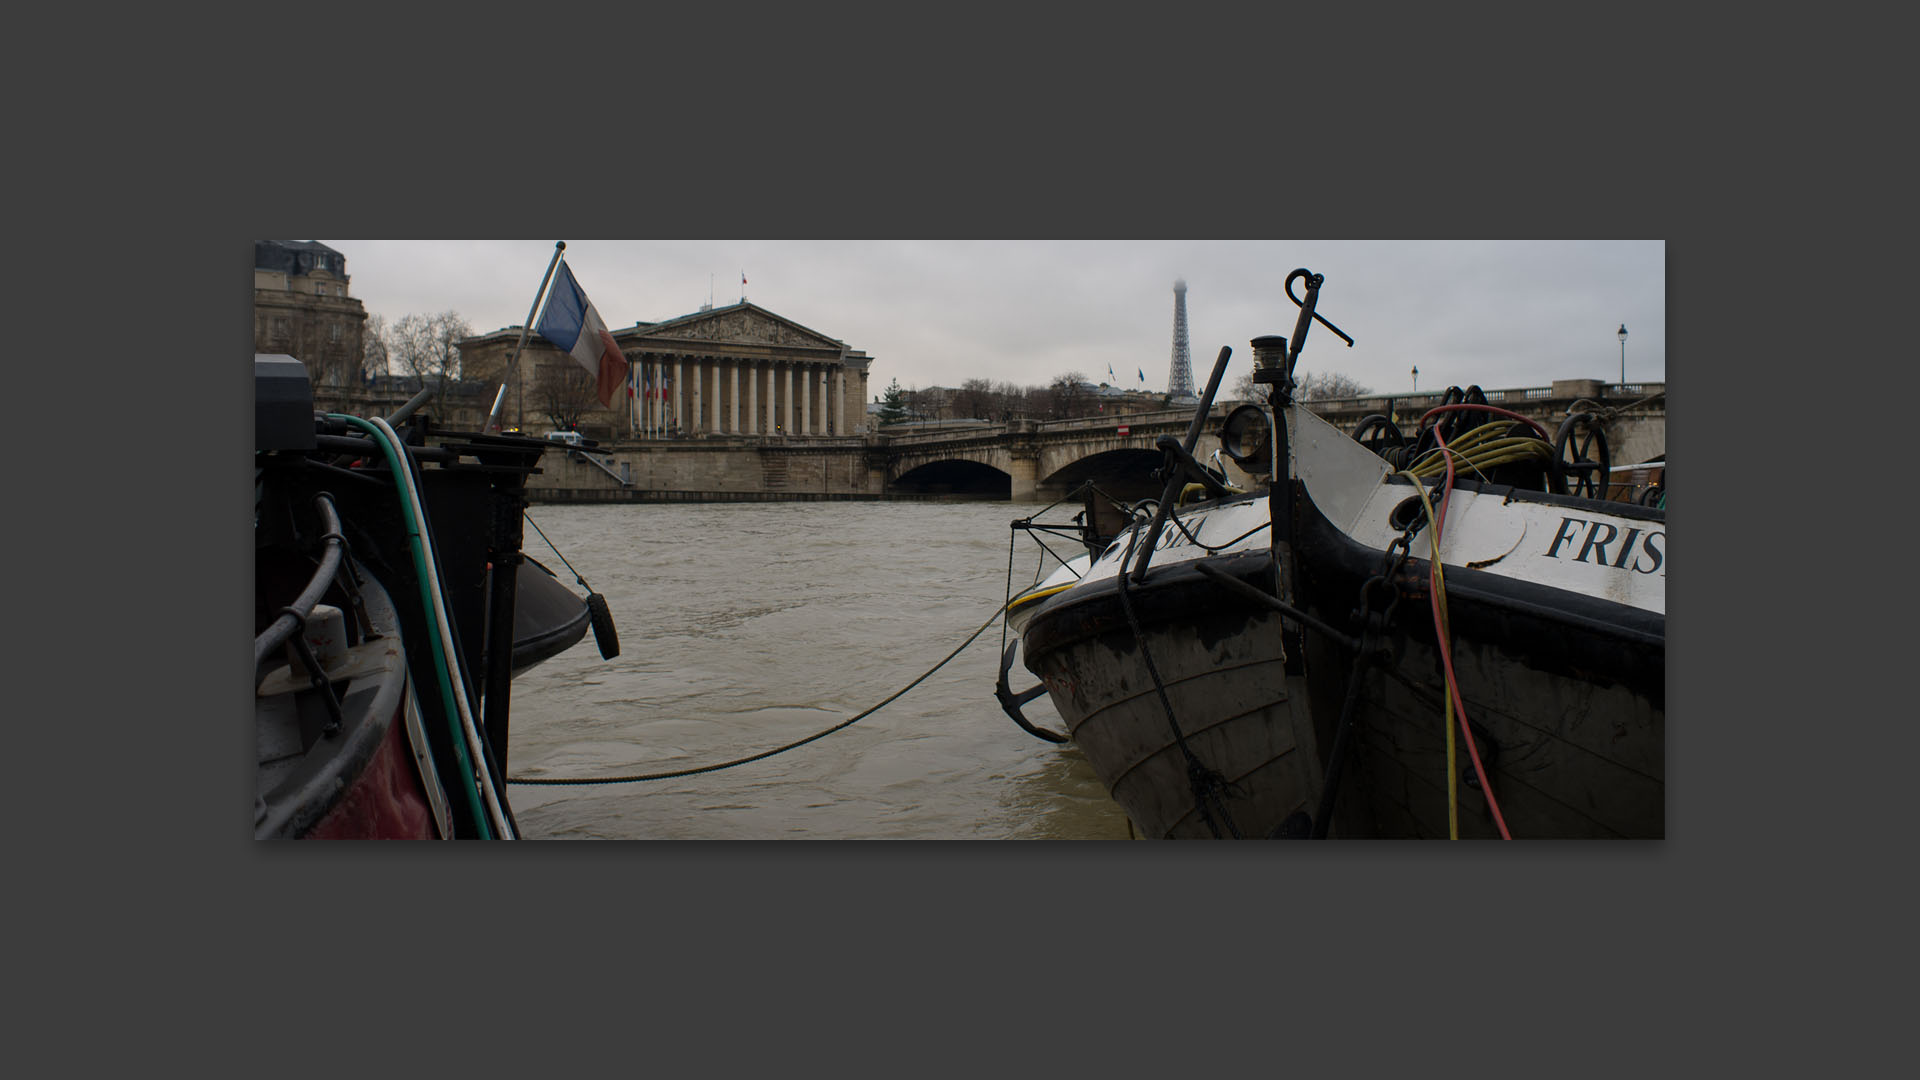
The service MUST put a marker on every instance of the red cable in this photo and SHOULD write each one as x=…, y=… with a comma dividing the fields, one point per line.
x=1535, y=424
x=1440, y=635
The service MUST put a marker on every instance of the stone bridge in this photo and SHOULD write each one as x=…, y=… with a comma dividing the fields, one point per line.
x=1024, y=460
x=1037, y=460
x=1040, y=460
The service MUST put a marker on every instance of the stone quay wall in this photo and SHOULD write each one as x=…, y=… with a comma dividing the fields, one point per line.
x=716, y=470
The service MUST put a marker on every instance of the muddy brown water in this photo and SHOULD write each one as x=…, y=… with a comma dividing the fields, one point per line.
x=744, y=627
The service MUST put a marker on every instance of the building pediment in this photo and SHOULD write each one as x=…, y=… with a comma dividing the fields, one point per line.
x=742, y=324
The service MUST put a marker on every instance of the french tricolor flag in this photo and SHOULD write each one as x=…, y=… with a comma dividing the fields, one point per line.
x=573, y=326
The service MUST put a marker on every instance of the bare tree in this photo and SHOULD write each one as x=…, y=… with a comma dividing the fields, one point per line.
x=1009, y=402
x=1310, y=386
x=428, y=348
x=373, y=346
x=564, y=392
x=974, y=399
x=1065, y=396
x=1321, y=385
x=1245, y=389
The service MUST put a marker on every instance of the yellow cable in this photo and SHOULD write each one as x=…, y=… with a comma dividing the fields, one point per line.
x=1478, y=462
x=1440, y=601
x=1479, y=449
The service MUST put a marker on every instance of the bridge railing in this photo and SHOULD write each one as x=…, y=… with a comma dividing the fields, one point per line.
x=1107, y=423
x=1533, y=399
x=899, y=434
x=1341, y=412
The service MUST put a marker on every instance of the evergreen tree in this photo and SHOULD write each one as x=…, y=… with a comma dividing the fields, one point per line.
x=893, y=407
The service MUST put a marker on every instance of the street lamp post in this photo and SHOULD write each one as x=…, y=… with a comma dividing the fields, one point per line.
x=1623, y=352
x=1416, y=377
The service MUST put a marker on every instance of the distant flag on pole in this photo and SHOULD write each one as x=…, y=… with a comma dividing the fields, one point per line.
x=1110, y=371
x=571, y=323
x=1143, y=374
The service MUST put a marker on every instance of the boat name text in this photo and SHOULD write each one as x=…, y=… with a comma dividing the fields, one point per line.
x=1596, y=542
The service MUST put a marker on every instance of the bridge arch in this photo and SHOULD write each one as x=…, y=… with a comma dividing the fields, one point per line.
x=954, y=476
x=1123, y=472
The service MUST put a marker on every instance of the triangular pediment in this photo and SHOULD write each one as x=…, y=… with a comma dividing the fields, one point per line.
x=744, y=324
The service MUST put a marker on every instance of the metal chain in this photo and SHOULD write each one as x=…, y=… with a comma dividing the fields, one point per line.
x=1392, y=561
x=1373, y=617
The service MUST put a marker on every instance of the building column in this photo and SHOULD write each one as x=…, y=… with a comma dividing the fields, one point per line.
x=770, y=396
x=786, y=403
x=753, y=399
x=733, y=396
x=678, y=388
x=806, y=399
x=697, y=407
x=840, y=401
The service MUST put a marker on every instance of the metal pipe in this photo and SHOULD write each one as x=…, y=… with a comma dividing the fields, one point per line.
x=413, y=403
x=513, y=360
x=1175, y=477
x=286, y=625
x=347, y=444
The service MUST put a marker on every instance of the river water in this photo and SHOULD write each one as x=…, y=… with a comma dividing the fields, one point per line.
x=747, y=626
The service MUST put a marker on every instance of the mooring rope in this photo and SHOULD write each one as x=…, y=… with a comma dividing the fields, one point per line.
x=558, y=780
x=556, y=551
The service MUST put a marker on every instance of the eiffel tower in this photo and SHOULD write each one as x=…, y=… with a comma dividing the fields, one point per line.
x=1180, y=375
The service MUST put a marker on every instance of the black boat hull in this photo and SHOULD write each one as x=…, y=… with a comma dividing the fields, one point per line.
x=1236, y=710
x=1565, y=692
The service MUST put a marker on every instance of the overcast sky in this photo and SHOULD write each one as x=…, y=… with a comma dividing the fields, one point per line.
x=1502, y=314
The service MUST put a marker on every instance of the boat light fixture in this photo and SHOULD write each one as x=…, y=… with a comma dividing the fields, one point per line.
x=1247, y=437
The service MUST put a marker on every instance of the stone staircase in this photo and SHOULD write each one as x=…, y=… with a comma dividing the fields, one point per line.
x=773, y=472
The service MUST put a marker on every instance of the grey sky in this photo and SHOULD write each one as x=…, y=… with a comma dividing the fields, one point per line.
x=936, y=312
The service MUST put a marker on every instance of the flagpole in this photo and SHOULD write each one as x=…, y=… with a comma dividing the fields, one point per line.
x=513, y=360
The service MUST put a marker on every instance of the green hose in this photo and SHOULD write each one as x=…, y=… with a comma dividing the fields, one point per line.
x=397, y=463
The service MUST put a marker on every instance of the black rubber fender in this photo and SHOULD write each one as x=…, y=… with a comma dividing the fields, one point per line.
x=604, y=634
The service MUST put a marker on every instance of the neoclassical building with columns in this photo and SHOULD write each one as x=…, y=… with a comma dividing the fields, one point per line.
x=729, y=371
